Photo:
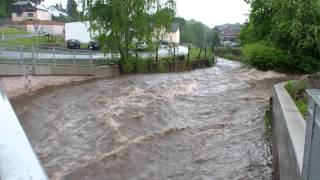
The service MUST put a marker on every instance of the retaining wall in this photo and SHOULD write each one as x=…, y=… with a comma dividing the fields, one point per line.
x=22, y=70
x=288, y=136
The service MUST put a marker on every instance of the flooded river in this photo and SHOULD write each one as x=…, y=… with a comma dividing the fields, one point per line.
x=201, y=125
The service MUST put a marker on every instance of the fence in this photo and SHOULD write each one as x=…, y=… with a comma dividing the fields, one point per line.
x=51, y=56
x=311, y=162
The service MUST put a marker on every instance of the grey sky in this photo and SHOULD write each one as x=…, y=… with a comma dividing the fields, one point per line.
x=210, y=12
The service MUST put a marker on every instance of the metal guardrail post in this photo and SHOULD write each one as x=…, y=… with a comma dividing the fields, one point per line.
x=21, y=54
x=17, y=158
x=54, y=56
x=92, y=63
x=310, y=168
x=74, y=58
x=33, y=55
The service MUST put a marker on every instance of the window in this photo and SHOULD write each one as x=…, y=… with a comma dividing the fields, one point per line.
x=19, y=14
x=30, y=14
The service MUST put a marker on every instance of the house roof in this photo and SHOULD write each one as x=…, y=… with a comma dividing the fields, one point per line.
x=21, y=6
x=22, y=3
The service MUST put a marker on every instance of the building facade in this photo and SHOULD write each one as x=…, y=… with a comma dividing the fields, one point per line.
x=26, y=10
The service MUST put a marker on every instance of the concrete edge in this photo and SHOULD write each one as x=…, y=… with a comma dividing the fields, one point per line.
x=295, y=123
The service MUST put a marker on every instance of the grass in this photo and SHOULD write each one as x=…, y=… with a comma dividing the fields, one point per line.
x=297, y=91
x=30, y=41
x=194, y=53
x=12, y=31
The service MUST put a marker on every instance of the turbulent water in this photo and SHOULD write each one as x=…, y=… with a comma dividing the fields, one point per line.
x=201, y=125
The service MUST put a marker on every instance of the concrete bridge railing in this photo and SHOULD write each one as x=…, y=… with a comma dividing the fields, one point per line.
x=17, y=158
x=296, y=142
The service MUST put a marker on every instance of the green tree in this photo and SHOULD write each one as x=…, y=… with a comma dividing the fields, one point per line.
x=196, y=33
x=215, y=39
x=119, y=24
x=72, y=10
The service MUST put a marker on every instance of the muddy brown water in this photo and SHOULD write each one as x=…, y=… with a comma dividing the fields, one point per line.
x=201, y=125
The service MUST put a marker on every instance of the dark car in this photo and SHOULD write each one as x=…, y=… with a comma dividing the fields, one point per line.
x=73, y=44
x=93, y=45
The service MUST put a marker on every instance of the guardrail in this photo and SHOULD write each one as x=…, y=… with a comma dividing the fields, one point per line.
x=17, y=158
x=311, y=161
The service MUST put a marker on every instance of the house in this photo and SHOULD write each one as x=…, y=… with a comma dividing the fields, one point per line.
x=229, y=32
x=172, y=35
x=26, y=10
x=56, y=12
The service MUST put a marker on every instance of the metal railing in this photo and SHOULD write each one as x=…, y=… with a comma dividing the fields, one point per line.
x=50, y=56
x=17, y=158
x=311, y=161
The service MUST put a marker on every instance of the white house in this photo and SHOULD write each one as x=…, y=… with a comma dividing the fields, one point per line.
x=56, y=12
x=172, y=35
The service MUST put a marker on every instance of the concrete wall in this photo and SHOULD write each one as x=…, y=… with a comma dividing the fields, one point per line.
x=288, y=136
x=53, y=29
x=40, y=70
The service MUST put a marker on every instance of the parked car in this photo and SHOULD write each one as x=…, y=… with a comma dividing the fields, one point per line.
x=73, y=44
x=141, y=46
x=94, y=45
x=235, y=45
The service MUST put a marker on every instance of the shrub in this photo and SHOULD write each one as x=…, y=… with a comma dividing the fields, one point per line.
x=127, y=66
x=160, y=67
x=265, y=57
x=142, y=65
x=262, y=56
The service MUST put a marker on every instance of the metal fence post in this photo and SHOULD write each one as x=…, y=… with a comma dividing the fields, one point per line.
x=21, y=54
x=92, y=63
x=54, y=56
x=74, y=58
x=33, y=55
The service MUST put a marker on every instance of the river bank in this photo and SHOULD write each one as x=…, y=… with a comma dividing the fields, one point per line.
x=206, y=123
x=17, y=86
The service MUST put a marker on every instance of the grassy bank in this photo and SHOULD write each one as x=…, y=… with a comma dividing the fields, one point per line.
x=229, y=53
x=32, y=41
x=12, y=31
x=297, y=91
x=164, y=65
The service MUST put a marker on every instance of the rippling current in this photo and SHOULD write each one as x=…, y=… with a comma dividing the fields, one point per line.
x=201, y=125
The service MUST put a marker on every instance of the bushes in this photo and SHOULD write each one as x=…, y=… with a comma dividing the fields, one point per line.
x=266, y=57
x=229, y=53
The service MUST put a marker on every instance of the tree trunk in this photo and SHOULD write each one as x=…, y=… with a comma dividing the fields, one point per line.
x=205, y=51
x=157, y=53
x=189, y=51
x=200, y=52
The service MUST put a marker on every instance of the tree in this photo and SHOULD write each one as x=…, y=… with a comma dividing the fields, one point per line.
x=72, y=10
x=293, y=26
x=215, y=39
x=119, y=24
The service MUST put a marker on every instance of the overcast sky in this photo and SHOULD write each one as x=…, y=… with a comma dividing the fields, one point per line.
x=209, y=12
